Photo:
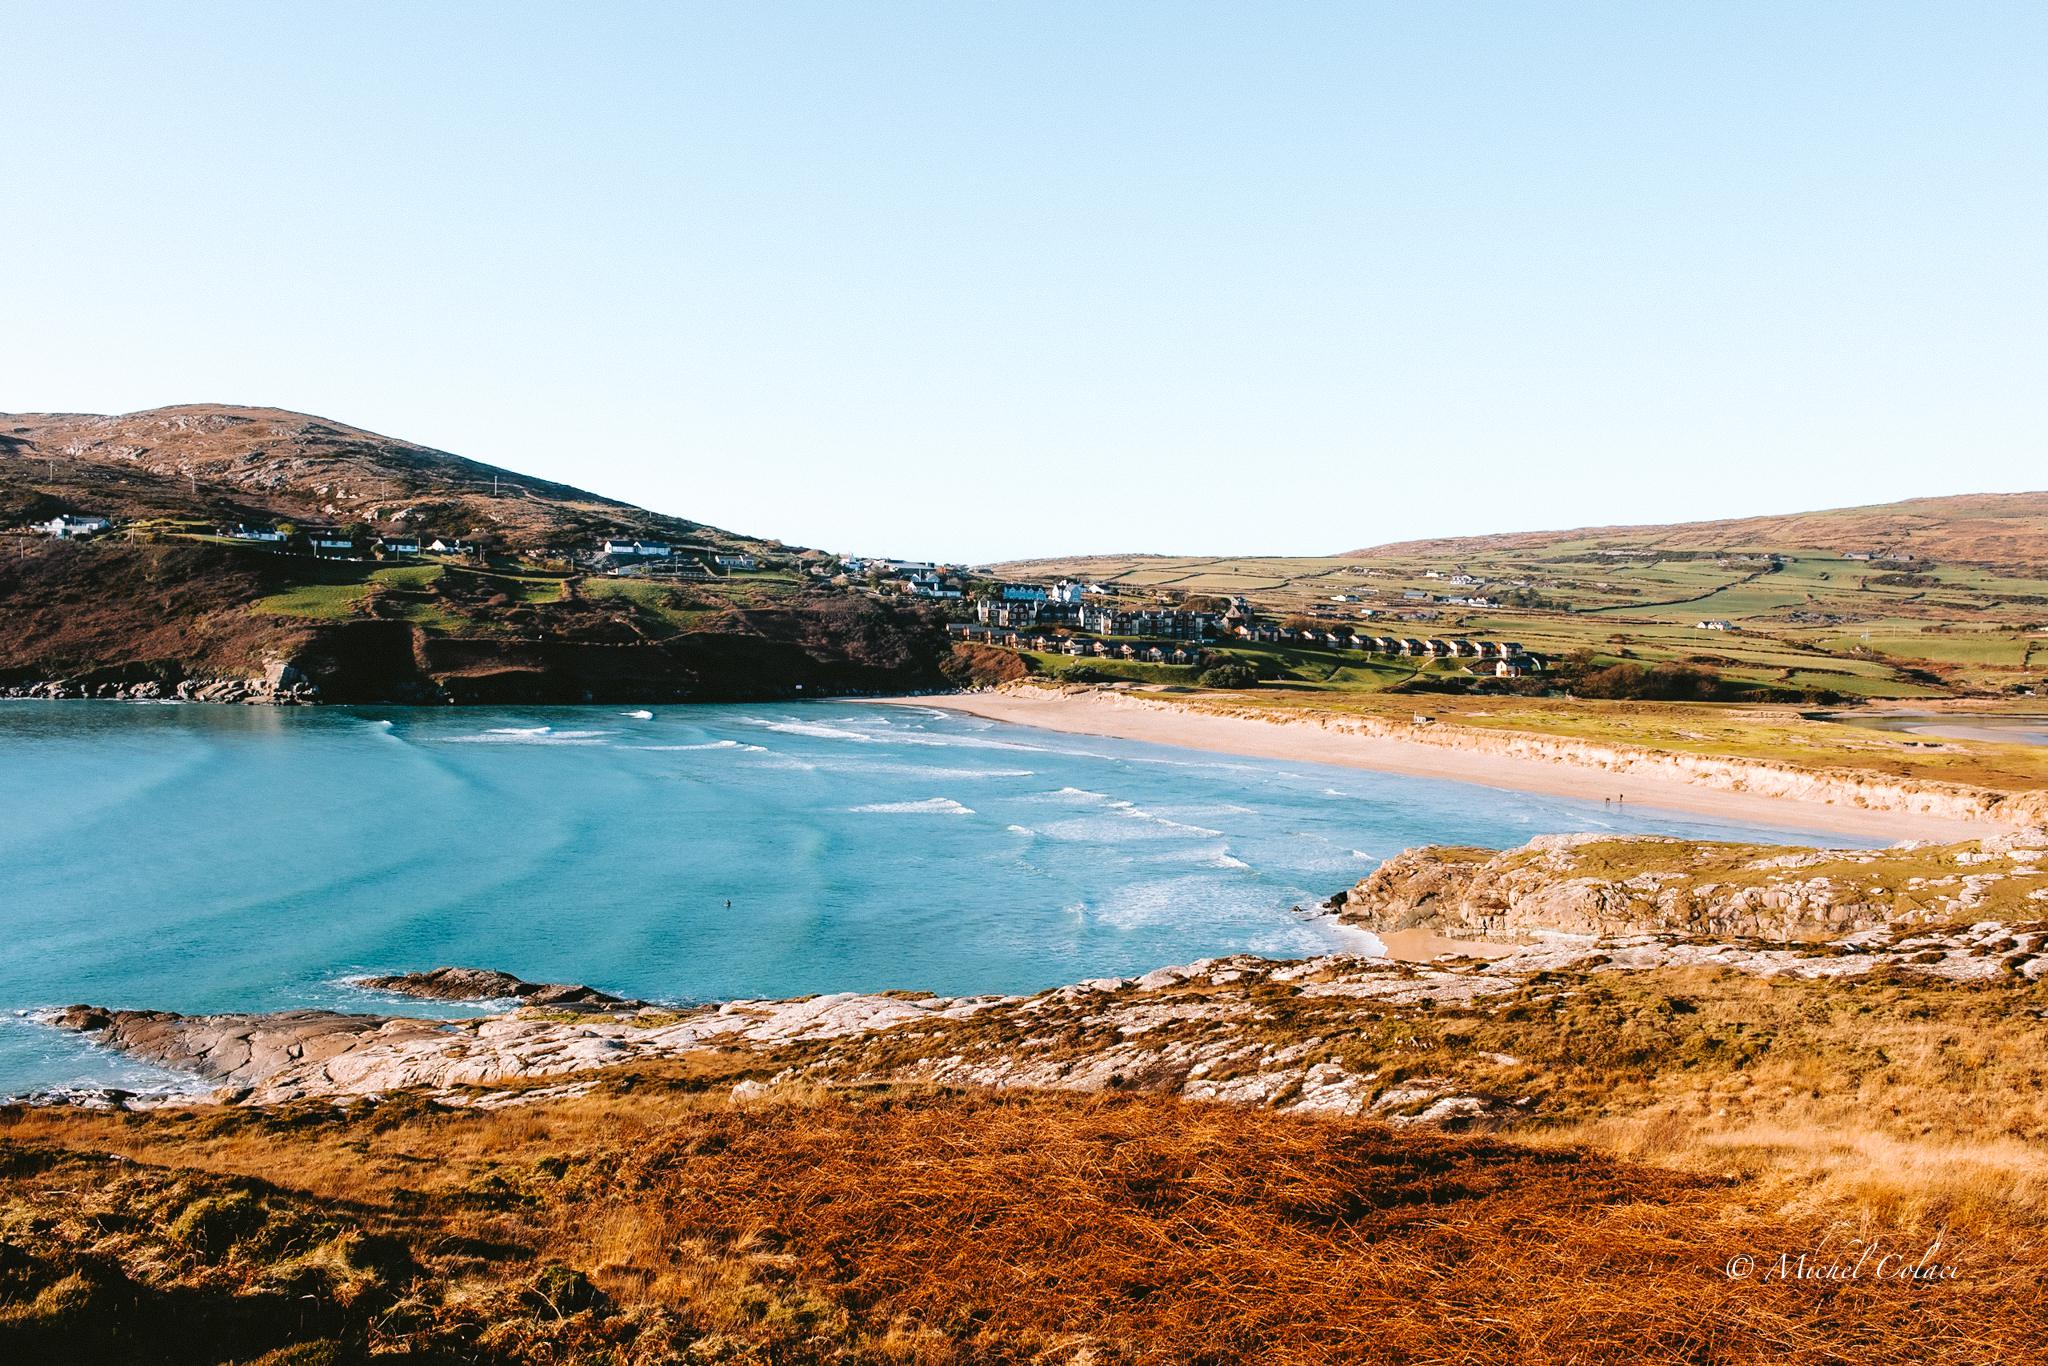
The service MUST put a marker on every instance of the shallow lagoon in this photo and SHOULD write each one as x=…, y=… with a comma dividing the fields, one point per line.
x=232, y=858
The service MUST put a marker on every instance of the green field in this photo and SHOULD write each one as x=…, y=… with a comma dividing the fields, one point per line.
x=672, y=603
x=424, y=594
x=1808, y=621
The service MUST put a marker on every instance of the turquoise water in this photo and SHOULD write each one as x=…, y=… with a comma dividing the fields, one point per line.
x=233, y=858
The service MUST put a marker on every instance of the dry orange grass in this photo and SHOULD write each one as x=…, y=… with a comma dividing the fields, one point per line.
x=924, y=1227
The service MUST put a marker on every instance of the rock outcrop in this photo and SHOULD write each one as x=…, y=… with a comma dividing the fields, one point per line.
x=1592, y=885
x=290, y=1055
x=280, y=685
x=486, y=984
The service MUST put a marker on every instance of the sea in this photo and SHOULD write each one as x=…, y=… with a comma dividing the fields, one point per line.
x=209, y=858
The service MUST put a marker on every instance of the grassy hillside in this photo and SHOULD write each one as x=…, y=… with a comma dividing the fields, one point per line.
x=2001, y=530
x=1968, y=615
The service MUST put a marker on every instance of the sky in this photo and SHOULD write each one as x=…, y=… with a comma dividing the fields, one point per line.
x=979, y=282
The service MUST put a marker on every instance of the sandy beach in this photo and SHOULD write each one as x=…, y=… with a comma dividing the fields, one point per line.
x=1160, y=721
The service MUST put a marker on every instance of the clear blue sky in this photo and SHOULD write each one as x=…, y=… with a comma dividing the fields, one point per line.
x=980, y=281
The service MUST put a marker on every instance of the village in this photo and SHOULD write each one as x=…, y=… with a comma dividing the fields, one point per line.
x=622, y=556
x=1086, y=620
x=1440, y=622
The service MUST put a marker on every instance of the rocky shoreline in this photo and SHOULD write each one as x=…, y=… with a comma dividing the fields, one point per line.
x=281, y=685
x=1247, y=1030
x=1201, y=1031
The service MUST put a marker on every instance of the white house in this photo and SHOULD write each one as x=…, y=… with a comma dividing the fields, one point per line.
x=399, y=545
x=254, y=533
x=331, y=543
x=736, y=562
x=614, y=545
x=1713, y=624
x=68, y=527
x=448, y=545
x=1024, y=592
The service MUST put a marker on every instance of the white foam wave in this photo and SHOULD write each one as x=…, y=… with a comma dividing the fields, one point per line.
x=930, y=806
x=531, y=735
x=815, y=731
x=639, y=715
x=1141, y=814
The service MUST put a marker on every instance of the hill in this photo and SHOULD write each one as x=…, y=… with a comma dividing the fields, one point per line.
x=1992, y=530
x=162, y=604
x=1924, y=598
x=228, y=464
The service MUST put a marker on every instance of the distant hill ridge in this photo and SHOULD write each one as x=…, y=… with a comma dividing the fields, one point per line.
x=226, y=461
x=1995, y=529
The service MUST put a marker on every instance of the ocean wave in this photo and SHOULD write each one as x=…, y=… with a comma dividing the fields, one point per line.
x=927, y=772
x=707, y=744
x=639, y=715
x=814, y=730
x=956, y=742
x=531, y=735
x=1139, y=813
x=930, y=806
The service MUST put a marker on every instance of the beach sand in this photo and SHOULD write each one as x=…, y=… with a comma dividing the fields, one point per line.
x=1158, y=721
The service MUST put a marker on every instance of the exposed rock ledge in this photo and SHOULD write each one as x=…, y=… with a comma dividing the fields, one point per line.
x=281, y=684
x=486, y=984
x=291, y=1054
x=1601, y=885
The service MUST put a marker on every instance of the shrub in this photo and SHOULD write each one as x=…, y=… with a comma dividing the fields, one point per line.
x=1231, y=673
x=212, y=1224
